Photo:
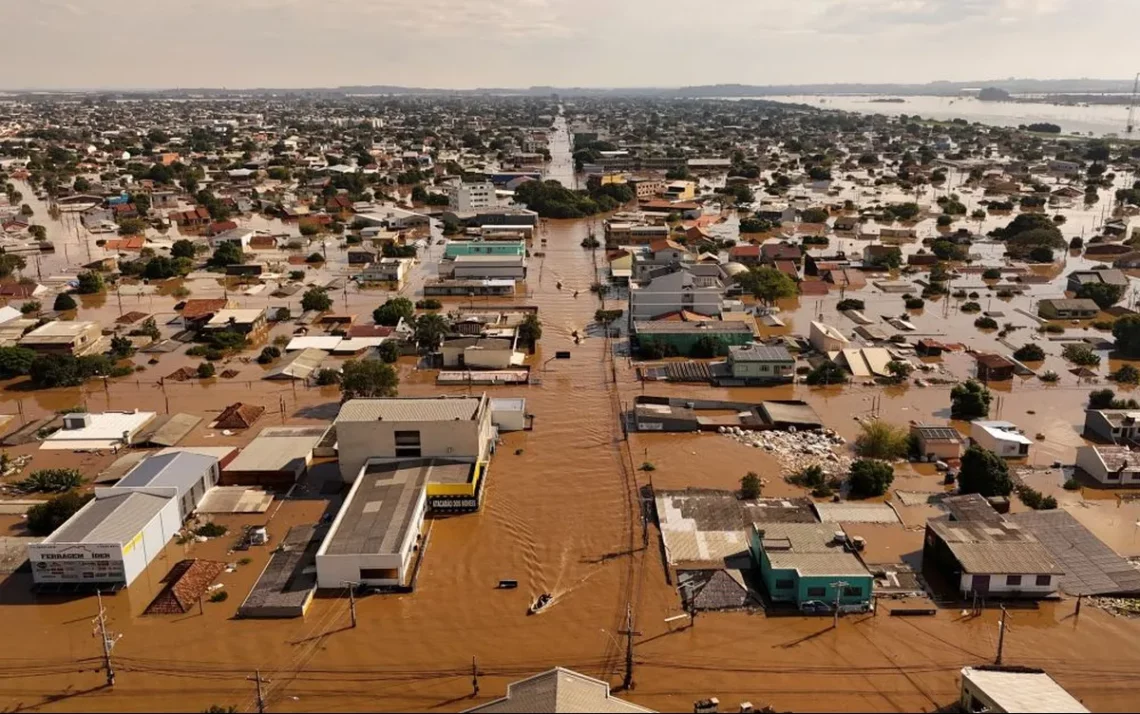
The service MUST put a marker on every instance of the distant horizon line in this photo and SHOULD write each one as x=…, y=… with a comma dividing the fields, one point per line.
x=821, y=86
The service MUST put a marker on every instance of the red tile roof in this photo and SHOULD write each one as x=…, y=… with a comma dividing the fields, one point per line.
x=744, y=251
x=813, y=287
x=196, y=309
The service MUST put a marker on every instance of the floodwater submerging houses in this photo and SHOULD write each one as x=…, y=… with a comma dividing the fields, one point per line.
x=674, y=414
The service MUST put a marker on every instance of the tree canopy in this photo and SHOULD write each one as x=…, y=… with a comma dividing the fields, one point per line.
x=1105, y=295
x=316, y=299
x=767, y=284
x=970, y=400
x=393, y=310
x=1126, y=331
x=984, y=472
x=870, y=478
x=368, y=378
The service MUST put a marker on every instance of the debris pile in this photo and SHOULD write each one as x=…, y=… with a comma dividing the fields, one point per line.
x=1122, y=606
x=796, y=450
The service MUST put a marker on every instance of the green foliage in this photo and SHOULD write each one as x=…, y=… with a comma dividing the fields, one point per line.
x=1034, y=499
x=814, y=215
x=947, y=250
x=132, y=226
x=985, y=323
x=121, y=347
x=228, y=340
x=870, y=478
x=1049, y=376
x=850, y=304
x=429, y=331
x=228, y=253
x=206, y=370
x=44, y=518
x=826, y=373
x=530, y=330
x=984, y=472
x=1105, y=295
x=879, y=439
x=1029, y=352
x=1080, y=354
x=892, y=258
x=915, y=303
x=809, y=477
x=268, y=354
x=393, y=310
x=1072, y=484
x=182, y=248
x=767, y=284
x=1127, y=374
x=991, y=274
x=15, y=361
x=428, y=304
x=51, y=481
x=49, y=371
x=89, y=283
x=389, y=351
x=1041, y=254
x=707, y=346
x=751, y=224
x=551, y=199
x=1126, y=331
x=315, y=258
x=326, y=377
x=161, y=267
x=64, y=302
x=750, y=486
x=10, y=263
x=220, y=596
x=970, y=307
x=970, y=400
x=316, y=299
x=31, y=307
x=368, y=378
x=944, y=220
x=211, y=530
x=903, y=211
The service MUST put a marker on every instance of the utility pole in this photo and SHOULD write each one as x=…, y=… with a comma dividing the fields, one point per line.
x=260, y=695
x=838, y=591
x=108, y=641
x=1001, y=636
x=352, y=600
x=474, y=677
x=627, y=682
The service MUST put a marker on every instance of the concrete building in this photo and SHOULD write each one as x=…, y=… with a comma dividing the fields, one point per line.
x=1079, y=278
x=672, y=292
x=76, y=338
x=109, y=542
x=1067, y=309
x=975, y=551
x=1014, y=690
x=105, y=430
x=938, y=442
x=1000, y=437
x=559, y=690
x=238, y=236
x=1110, y=465
x=761, y=363
x=809, y=562
x=484, y=267
x=251, y=322
x=480, y=353
x=825, y=338
x=387, y=270
x=385, y=431
x=468, y=197
x=276, y=458
x=680, y=191
x=1116, y=426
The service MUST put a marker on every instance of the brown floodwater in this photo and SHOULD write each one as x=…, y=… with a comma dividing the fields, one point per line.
x=561, y=516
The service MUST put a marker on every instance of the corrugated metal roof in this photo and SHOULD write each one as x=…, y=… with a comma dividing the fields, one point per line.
x=411, y=409
x=298, y=365
x=278, y=449
x=855, y=513
x=809, y=549
x=181, y=471
x=112, y=518
x=559, y=690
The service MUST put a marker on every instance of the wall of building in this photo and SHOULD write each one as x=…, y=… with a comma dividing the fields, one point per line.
x=359, y=441
x=941, y=449
x=999, y=585
x=763, y=370
x=469, y=271
x=1001, y=447
x=335, y=570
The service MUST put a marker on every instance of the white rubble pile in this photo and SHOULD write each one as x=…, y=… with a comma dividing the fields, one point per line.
x=796, y=450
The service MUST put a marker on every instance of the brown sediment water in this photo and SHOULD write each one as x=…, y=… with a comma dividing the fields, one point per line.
x=562, y=517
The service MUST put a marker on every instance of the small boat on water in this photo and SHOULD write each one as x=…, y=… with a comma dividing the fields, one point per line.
x=542, y=601
x=508, y=584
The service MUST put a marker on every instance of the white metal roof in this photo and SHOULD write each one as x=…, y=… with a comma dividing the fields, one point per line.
x=320, y=342
x=412, y=409
x=246, y=316
x=105, y=431
x=1022, y=691
x=113, y=517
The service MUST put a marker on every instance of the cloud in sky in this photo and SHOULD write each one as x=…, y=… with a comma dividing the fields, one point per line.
x=512, y=43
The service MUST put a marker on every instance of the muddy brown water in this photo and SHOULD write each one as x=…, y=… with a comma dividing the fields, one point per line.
x=562, y=517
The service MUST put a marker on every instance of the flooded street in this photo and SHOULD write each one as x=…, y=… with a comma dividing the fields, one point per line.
x=561, y=515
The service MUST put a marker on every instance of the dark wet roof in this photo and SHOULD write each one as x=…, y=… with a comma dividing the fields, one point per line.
x=1091, y=567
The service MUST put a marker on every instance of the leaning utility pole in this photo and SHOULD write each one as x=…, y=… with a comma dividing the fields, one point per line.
x=627, y=682
x=1001, y=636
x=474, y=677
x=108, y=641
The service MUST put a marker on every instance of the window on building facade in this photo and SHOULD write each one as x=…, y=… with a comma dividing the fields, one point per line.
x=852, y=591
x=816, y=592
x=784, y=584
x=1044, y=580
x=1013, y=580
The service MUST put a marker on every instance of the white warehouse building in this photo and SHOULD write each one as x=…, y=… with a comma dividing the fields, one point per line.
x=111, y=540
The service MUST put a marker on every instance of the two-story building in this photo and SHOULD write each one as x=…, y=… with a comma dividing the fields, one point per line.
x=802, y=563
x=76, y=338
x=756, y=363
x=1115, y=426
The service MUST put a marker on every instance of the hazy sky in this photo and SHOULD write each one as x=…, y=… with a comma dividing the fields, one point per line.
x=516, y=43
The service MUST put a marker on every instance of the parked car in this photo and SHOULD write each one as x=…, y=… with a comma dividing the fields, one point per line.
x=814, y=607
